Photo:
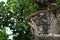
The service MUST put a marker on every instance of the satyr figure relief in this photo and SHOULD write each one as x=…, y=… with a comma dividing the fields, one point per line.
x=45, y=21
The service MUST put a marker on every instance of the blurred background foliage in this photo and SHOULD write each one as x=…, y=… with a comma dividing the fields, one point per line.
x=58, y=2
x=14, y=14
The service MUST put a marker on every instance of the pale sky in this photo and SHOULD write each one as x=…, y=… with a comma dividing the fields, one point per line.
x=9, y=32
x=3, y=0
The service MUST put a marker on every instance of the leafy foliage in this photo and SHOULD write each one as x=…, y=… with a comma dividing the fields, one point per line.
x=3, y=35
x=14, y=14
